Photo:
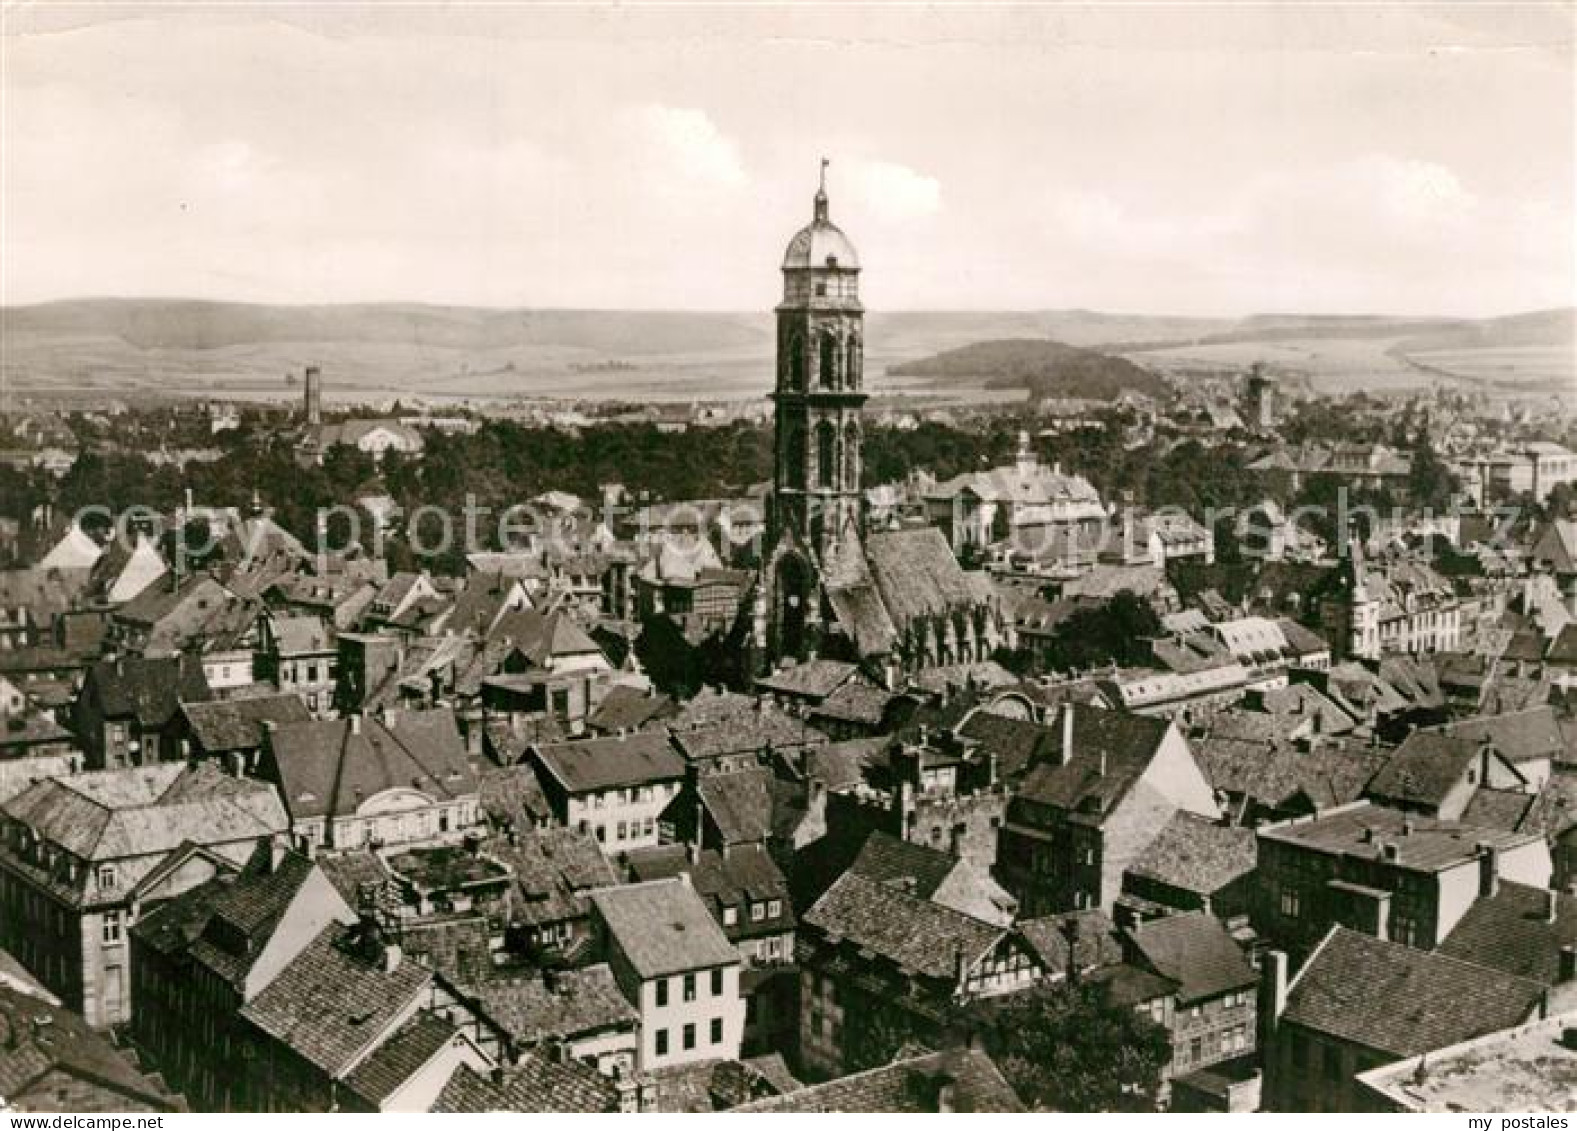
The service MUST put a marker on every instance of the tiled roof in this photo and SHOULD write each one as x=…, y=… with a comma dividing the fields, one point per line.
x=915, y=868
x=743, y=875
x=626, y=708
x=1094, y=940
x=296, y=635
x=148, y=690
x=223, y=725
x=355, y=873
x=740, y=804
x=1520, y=736
x=1195, y=951
x=400, y=1057
x=1512, y=932
x=1193, y=853
x=1332, y=773
x=1363, y=830
x=609, y=763
x=554, y=868
x=331, y=766
x=814, y=679
x=37, y=1038
x=910, y=1085
x=765, y=729
x=457, y=946
x=1017, y=743
x=1424, y=769
x=855, y=703
x=558, y=1006
x=1508, y=809
x=113, y=814
x=913, y=933
x=536, y=1083
x=1400, y=1001
x=330, y=1006
x=513, y=795
x=1128, y=743
x=663, y=928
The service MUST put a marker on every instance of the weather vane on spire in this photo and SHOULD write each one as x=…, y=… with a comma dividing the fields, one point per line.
x=824, y=163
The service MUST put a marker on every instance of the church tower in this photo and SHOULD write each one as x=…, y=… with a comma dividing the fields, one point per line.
x=815, y=512
x=820, y=386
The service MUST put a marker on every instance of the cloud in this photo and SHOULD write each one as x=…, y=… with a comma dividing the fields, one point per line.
x=687, y=143
x=895, y=193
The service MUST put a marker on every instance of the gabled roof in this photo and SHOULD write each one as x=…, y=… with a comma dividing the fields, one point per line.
x=610, y=763
x=1520, y=736
x=1093, y=940
x=115, y=814
x=38, y=1038
x=1515, y=932
x=1424, y=769
x=913, y=933
x=1194, y=950
x=1128, y=743
x=740, y=804
x=536, y=1083
x=329, y=767
x=301, y=634
x=910, y=1085
x=148, y=690
x=222, y=725
x=1400, y=1001
x=1196, y=854
x=393, y=1063
x=1363, y=831
x=559, y=1006
x=331, y=1007
x=813, y=679
x=663, y=928
x=553, y=868
x=914, y=868
x=626, y=708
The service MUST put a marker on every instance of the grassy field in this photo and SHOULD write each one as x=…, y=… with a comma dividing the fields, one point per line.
x=88, y=350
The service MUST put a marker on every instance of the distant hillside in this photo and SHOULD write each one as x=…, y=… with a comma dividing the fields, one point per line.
x=184, y=324
x=1537, y=328
x=1047, y=369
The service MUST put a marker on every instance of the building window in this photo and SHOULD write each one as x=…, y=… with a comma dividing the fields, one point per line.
x=730, y=916
x=662, y=992
x=774, y=908
x=758, y=912
x=107, y=877
x=1289, y=903
x=662, y=1042
x=111, y=927
x=689, y=987
x=717, y=1030
x=717, y=983
x=689, y=1036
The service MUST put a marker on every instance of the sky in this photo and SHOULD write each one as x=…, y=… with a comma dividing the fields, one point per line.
x=1200, y=159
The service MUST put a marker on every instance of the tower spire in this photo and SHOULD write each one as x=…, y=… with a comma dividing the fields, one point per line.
x=821, y=192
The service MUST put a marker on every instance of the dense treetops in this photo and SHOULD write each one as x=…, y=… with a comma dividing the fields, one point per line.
x=1046, y=368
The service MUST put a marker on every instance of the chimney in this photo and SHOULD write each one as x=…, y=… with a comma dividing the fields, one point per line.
x=945, y=1095
x=1272, y=995
x=1100, y=765
x=960, y=965
x=1488, y=871
x=389, y=960
x=1568, y=967
x=313, y=393
x=355, y=723
x=1552, y=906
x=1065, y=753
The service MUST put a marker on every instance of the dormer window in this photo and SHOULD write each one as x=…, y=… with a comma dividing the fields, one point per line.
x=730, y=916
x=107, y=877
